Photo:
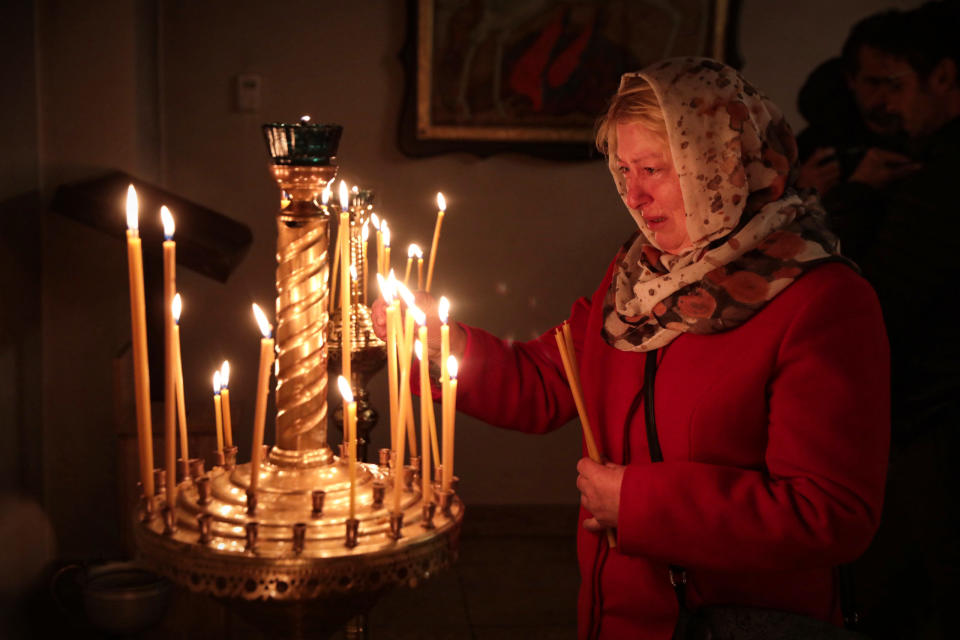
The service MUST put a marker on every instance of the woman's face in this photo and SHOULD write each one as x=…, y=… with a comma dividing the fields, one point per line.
x=652, y=186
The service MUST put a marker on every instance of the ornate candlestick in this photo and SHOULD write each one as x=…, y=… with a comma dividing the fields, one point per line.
x=368, y=352
x=288, y=550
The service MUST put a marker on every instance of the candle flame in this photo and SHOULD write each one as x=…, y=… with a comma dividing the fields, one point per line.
x=345, y=390
x=176, y=306
x=385, y=228
x=304, y=119
x=265, y=327
x=406, y=295
x=225, y=374
x=325, y=194
x=386, y=289
x=375, y=219
x=365, y=231
x=133, y=207
x=441, y=202
x=355, y=189
x=443, y=309
x=418, y=316
x=168, y=226
x=452, y=367
x=418, y=349
x=344, y=196
x=414, y=251
x=216, y=383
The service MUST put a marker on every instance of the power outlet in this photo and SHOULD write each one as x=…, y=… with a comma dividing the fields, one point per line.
x=247, y=92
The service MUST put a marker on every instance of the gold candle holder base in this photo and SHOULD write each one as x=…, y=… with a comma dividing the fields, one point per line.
x=353, y=528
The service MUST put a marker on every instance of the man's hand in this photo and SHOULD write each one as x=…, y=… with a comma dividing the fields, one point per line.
x=880, y=167
x=599, y=486
x=821, y=171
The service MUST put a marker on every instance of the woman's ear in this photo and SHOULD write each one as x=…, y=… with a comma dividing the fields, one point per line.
x=943, y=77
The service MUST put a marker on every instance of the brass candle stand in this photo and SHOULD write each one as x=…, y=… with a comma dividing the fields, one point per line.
x=289, y=554
x=368, y=353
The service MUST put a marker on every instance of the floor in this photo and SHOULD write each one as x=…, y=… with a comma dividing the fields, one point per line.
x=516, y=577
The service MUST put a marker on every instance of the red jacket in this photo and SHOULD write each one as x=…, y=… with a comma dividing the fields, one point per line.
x=774, y=437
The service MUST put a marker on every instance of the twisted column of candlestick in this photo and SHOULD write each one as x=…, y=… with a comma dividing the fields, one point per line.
x=303, y=265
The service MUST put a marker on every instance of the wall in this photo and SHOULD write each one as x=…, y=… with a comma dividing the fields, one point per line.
x=145, y=86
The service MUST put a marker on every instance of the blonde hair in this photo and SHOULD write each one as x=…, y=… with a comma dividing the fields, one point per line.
x=635, y=103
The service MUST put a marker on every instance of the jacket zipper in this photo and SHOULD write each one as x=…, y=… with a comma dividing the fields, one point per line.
x=603, y=550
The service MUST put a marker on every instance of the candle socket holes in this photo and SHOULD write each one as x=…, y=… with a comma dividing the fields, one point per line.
x=299, y=536
x=396, y=525
x=196, y=468
x=317, y=498
x=342, y=447
x=353, y=528
x=169, y=520
x=409, y=478
x=220, y=459
x=205, y=522
x=203, y=490
x=379, y=491
x=385, y=458
x=446, y=501
x=183, y=469
x=252, y=532
x=160, y=480
x=429, y=508
x=230, y=457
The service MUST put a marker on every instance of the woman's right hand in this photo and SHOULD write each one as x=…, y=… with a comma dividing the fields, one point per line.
x=429, y=305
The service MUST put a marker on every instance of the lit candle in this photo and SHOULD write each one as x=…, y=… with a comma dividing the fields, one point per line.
x=334, y=268
x=441, y=210
x=181, y=407
x=412, y=251
x=350, y=433
x=443, y=310
x=375, y=220
x=225, y=401
x=170, y=383
x=385, y=228
x=388, y=292
x=263, y=383
x=218, y=409
x=364, y=237
x=449, y=408
x=138, y=323
x=404, y=403
x=406, y=356
x=426, y=409
x=420, y=271
x=346, y=330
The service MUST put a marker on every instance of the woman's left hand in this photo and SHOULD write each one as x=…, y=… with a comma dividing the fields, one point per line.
x=599, y=486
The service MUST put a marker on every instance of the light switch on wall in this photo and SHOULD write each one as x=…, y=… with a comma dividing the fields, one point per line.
x=247, y=90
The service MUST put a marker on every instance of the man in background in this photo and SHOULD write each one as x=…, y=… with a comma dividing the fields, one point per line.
x=900, y=221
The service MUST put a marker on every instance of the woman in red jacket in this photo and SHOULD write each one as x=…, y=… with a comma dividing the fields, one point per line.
x=728, y=337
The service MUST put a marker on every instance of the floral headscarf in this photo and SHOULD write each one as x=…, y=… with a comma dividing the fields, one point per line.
x=752, y=234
